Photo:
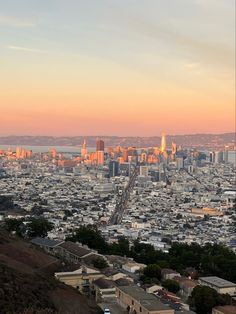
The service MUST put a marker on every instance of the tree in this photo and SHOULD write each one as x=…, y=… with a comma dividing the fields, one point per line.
x=120, y=248
x=99, y=263
x=90, y=236
x=152, y=271
x=171, y=285
x=16, y=225
x=39, y=227
x=203, y=299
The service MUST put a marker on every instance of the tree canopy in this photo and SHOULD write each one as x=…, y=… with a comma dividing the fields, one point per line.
x=208, y=260
x=204, y=298
x=171, y=285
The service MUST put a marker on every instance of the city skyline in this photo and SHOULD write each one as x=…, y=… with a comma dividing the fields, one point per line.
x=121, y=68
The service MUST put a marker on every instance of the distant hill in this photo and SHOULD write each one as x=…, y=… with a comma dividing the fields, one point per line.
x=27, y=284
x=192, y=140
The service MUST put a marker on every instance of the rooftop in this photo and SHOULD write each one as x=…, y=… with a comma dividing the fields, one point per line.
x=149, y=301
x=75, y=249
x=218, y=282
x=45, y=242
x=104, y=283
x=227, y=309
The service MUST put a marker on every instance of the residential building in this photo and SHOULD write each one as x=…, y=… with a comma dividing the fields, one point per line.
x=226, y=309
x=81, y=278
x=220, y=285
x=136, y=300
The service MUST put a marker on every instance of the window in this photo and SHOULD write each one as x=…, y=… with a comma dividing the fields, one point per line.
x=140, y=309
x=132, y=302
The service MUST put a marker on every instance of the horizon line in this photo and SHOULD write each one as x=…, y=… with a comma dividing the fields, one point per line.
x=103, y=135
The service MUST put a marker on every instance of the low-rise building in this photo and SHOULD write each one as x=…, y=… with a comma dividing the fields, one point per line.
x=169, y=274
x=46, y=244
x=136, y=300
x=73, y=252
x=81, y=279
x=220, y=285
x=226, y=309
x=132, y=267
x=104, y=289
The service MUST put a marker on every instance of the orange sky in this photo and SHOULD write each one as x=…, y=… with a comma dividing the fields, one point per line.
x=112, y=74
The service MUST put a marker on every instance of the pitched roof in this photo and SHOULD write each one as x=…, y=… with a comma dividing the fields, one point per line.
x=75, y=249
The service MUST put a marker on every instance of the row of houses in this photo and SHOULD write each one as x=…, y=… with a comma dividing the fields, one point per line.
x=67, y=250
x=118, y=282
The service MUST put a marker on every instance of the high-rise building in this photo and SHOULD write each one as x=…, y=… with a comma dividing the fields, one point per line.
x=84, y=150
x=100, y=157
x=18, y=152
x=125, y=154
x=211, y=157
x=143, y=157
x=113, y=168
x=180, y=162
x=100, y=145
x=226, y=154
x=163, y=143
x=174, y=148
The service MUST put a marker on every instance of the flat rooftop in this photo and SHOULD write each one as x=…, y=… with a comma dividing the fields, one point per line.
x=149, y=301
x=46, y=242
x=217, y=282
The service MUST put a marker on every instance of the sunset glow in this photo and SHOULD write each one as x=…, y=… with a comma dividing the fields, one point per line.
x=116, y=67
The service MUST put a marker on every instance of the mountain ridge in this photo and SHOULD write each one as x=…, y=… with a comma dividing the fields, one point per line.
x=188, y=140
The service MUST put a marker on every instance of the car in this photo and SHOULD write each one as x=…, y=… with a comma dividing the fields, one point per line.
x=107, y=311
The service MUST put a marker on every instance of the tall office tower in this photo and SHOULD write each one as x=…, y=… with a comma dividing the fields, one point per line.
x=143, y=157
x=100, y=145
x=132, y=154
x=29, y=153
x=113, y=168
x=212, y=157
x=226, y=154
x=180, y=162
x=18, y=152
x=125, y=154
x=163, y=143
x=23, y=154
x=100, y=157
x=174, y=148
x=219, y=157
x=84, y=150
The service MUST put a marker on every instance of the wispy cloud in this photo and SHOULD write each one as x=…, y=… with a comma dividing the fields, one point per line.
x=26, y=49
x=13, y=21
x=192, y=66
x=210, y=53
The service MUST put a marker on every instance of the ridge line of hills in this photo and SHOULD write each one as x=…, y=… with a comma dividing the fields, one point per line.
x=188, y=140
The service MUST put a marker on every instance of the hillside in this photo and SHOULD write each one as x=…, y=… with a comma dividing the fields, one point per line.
x=188, y=140
x=27, y=284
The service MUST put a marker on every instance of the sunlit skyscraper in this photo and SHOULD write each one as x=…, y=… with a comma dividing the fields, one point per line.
x=84, y=150
x=163, y=143
x=100, y=145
